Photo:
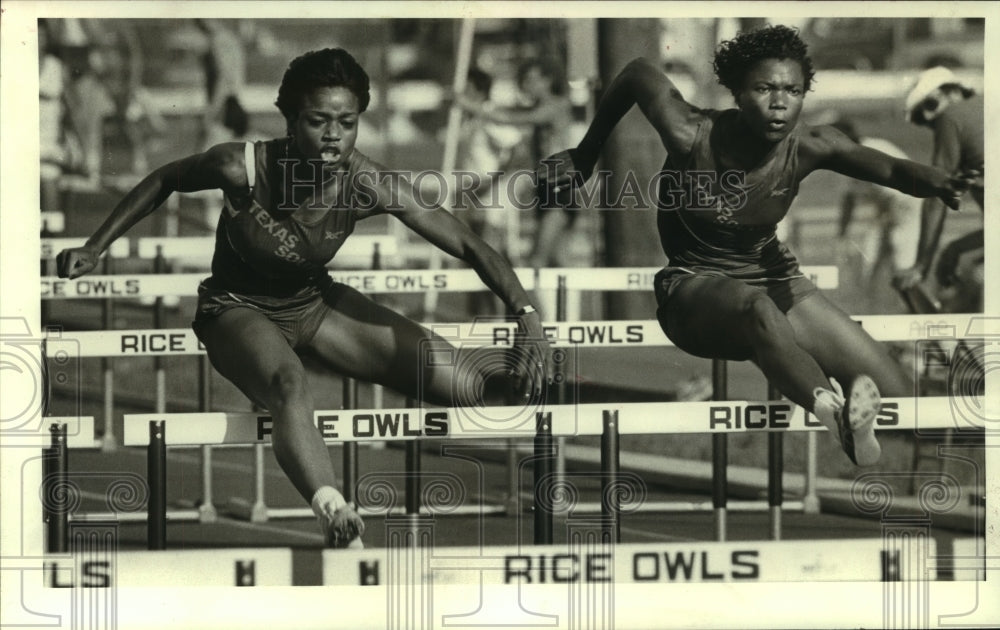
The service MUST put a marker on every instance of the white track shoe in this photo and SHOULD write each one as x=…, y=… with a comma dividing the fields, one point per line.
x=853, y=414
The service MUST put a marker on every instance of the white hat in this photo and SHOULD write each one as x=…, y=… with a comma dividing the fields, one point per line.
x=927, y=82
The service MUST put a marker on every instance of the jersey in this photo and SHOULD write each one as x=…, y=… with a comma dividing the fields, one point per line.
x=710, y=219
x=267, y=249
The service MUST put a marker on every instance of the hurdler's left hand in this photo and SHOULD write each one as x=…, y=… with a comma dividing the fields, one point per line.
x=531, y=359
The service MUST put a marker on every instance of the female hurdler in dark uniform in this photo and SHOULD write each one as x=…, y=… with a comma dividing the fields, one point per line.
x=289, y=205
x=732, y=290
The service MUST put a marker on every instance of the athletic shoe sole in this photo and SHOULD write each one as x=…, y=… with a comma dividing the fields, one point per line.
x=857, y=421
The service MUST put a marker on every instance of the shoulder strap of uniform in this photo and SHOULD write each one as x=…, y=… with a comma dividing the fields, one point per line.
x=250, y=160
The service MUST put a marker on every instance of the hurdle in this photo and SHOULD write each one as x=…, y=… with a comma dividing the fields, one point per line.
x=65, y=432
x=641, y=278
x=606, y=419
x=862, y=559
x=50, y=247
x=486, y=333
x=569, y=334
x=608, y=279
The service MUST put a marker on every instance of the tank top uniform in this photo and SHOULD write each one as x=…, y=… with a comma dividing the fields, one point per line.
x=713, y=222
x=271, y=256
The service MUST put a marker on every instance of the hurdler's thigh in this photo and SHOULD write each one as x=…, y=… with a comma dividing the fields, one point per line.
x=705, y=315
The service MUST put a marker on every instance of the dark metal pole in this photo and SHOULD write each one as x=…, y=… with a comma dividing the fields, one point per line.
x=775, y=465
x=110, y=441
x=609, y=476
x=413, y=485
x=720, y=455
x=159, y=266
x=544, y=465
x=56, y=477
x=350, y=448
x=156, y=475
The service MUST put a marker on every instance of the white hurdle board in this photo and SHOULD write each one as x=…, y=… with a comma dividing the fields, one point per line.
x=376, y=282
x=367, y=425
x=641, y=278
x=186, y=284
x=121, y=286
x=714, y=562
x=494, y=332
x=189, y=567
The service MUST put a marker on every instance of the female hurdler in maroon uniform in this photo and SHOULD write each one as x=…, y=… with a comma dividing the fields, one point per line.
x=732, y=290
x=289, y=205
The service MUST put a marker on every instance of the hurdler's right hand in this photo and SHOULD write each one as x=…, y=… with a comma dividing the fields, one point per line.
x=565, y=170
x=76, y=261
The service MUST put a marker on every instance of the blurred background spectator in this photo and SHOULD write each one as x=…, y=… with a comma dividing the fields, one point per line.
x=224, y=65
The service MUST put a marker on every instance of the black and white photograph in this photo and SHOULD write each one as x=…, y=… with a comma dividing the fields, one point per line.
x=495, y=314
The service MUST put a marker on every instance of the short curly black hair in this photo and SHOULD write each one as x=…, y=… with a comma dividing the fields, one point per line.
x=330, y=67
x=735, y=57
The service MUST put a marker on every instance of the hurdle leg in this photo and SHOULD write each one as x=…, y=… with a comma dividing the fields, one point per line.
x=206, y=511
x=413, y=485
x=109, y=442
x=156, y=476
x=255, y=510
x=544, y=464
x=560, y=471
x=775, y=470
x=350, y=481
x=258, y=513
x=810, y=502
x=609, y=477
x=55, y=476
x=513, y=502
x=161, y=374
x=720, y=455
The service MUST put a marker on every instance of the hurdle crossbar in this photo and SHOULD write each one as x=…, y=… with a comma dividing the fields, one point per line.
x=641, y=278
x=861, y=559
x=375, y=425
x=374, y=282
x=493, y=332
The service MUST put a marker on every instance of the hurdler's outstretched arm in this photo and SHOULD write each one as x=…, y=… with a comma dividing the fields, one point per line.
x=824, y=147
x=221, y=167
x=640, y=83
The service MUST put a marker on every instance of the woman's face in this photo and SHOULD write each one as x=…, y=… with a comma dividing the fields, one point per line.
x=326, y=127
x=771, y=99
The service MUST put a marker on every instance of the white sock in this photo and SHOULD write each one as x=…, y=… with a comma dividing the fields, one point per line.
x=327, y=496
